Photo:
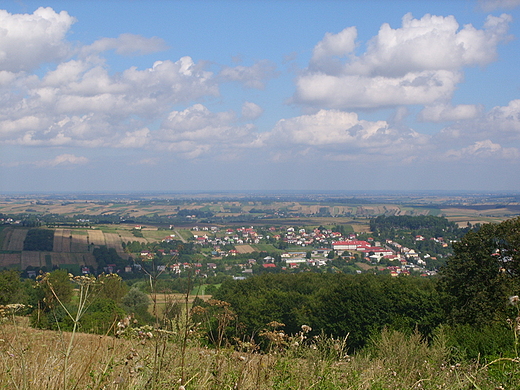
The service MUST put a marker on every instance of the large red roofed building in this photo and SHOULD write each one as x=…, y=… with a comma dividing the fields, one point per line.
x=350, y=245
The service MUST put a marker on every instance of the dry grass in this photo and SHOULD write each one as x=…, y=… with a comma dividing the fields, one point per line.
x=33, y=359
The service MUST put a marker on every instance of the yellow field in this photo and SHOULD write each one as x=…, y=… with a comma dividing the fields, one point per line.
x=96, y=237
x=14, y=238
x=37, y=259
x=244, y=248
x=128, y=236
x=79, y=242
x=62, y=241
x=114, y=241
x=9, y=259
x=33, y=259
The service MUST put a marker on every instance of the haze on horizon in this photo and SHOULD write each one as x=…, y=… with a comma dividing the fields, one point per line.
x=172, y=96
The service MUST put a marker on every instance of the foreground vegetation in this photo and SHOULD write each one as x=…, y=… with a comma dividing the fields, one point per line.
x=34, y=359
x=459, y=330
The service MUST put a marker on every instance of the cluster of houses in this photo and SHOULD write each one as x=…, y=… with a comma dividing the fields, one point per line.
x=403, y=259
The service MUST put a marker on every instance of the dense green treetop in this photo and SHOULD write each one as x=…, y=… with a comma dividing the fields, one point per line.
x=484, y=271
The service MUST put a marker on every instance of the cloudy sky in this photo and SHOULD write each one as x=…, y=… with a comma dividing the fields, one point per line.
x=129, y=95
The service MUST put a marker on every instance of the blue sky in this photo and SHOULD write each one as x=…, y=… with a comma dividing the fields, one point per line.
x=117, y=96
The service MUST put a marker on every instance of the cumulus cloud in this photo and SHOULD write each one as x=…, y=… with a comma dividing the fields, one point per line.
x=327, y=52
x=251, y=110
x=81, y=104
x=135, y=139
x=339, y=134
x=127, y=44
x=357, y=91
x=63, y=160
x=506, y=118
x=29, y=40
x=196, y=130
x=501, y=124
x=444, y=112
x=254, y=76
x=419, y=63
x=483, y=149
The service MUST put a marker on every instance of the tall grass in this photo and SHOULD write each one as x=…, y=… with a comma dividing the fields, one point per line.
x=31, y=360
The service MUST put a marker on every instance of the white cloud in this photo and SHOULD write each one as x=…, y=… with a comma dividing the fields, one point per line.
x=506, y=118
x=343, y=135
x=326, y=54
x=251, y=110
x=63, y=160
x=483, y=149
x=196, y=131
x=491, y=5
x=501, y=124
x=28, y=40
x=254, y=76
x=358, y=91
x=443, y=112
x=127, y=44
x=81, y=104
x=135, y=139
x=419, y=63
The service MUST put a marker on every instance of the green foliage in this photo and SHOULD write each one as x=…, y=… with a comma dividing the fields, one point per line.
x=137, y=302
x=336, y=304
x=112, y=288
x=39, y=240
x=476, y=282
x=105, y=256
x=137, y=233
x=487, y=342
x=437, y=225
x=101, y=316
x=11, y=290
x=57, y=287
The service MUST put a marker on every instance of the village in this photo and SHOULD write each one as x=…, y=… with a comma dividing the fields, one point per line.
x=229, y=251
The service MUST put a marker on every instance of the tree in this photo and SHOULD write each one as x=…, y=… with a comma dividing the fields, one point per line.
x=10, y=287
x=112, y=287
x=137, y=302
x=483, y=272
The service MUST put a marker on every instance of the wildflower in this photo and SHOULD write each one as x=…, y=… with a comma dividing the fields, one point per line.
x=275, y=324
x=306, y=328
x=513, y=300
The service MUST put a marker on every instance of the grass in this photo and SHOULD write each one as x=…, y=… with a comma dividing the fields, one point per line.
x=34, y=359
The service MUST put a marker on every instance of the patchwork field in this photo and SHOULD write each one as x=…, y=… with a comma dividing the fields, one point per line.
x=13, y=239
x=79, y=242
x=62, y=240
x=113, y=240
x=96, y=237
x=49, y=259
x=9, y=260
x=244, y=248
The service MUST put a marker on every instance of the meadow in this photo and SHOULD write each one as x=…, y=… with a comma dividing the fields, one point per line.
x=178, y=358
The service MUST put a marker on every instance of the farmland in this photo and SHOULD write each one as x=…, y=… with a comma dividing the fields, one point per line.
x=70, y=246
x=82, y=223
